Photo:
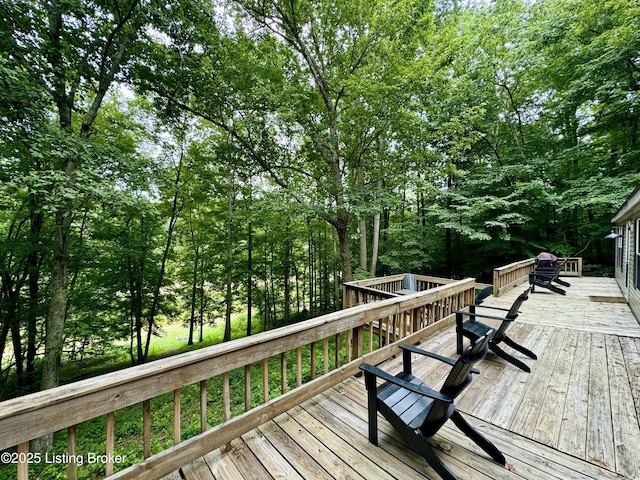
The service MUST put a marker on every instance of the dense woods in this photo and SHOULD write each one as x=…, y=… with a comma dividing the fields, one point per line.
x=189, y=161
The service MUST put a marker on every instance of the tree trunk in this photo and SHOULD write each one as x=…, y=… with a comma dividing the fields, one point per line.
x=342, y=229
x=194, y=291
x=375, y=240
x=176, y=208
x=33, y=268
x=229, y=295
x=16, y=337
x=58, y=306
x=362, y=230
x=54, y=325
x=287, y=274
x=202, y=301
x=249, y=278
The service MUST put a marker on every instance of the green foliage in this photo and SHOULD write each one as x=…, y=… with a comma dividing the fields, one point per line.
x=253, y=152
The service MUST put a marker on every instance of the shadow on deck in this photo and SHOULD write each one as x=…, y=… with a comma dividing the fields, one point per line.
x=575, y=416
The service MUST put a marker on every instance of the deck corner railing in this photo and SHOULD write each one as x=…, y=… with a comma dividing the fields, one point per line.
x=374, y=289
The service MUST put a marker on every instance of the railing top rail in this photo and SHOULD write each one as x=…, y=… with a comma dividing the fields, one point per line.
x=395, y=278
x=367, y=282
x=374, y=291
x=516, y=265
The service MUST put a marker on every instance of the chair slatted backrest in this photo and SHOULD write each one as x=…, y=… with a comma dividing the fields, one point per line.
x=552, y=272
x=484, y=293
x=511, y=315
x=458, y=379
x=514, y=310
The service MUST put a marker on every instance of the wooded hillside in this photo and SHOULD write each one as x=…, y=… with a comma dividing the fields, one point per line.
x=185, y=161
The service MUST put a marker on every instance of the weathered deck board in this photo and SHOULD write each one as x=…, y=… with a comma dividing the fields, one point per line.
x=547, y=429
x=623, y=412
x=327, y=465
x=575, y=416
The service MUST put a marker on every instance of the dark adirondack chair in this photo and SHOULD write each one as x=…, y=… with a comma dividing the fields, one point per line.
x=473, y=329
x=416, y=411
x=545, y=277
x=482, y=294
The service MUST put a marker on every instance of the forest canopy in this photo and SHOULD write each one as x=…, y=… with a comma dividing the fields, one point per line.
x=186, y=161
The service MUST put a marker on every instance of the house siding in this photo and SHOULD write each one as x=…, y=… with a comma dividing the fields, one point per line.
x=627, y=251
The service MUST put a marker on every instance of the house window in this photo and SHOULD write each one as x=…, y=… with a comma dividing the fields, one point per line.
x=619, y=250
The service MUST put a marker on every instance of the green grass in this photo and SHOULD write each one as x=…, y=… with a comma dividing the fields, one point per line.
x=171, y=340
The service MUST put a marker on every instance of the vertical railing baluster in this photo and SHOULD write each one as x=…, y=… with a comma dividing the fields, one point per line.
x=325, y=356
x=111, y=429
x=23, y=464
x=387, y=327
x=146, y=428
x=299, y=366
x=356, y=343
x=203, y=406
x=265, y=380
x=283, y=373
x=313, y=360
x=176, y=417
x=72, y=450
x=247, y=388
x=226, y=402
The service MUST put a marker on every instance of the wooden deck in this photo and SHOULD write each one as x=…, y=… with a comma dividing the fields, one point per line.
x=575, y=416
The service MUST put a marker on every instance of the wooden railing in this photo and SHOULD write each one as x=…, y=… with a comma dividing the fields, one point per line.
x=379, y=288
x=335, y=344
x=573, y=267
x=507, y=277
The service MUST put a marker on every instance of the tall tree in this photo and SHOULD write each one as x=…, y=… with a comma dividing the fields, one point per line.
x=307, y=95
x=75, y=51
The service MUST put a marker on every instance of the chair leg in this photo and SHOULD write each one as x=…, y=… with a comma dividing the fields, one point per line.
x=373, y=426
x=553, y=288
x=372, y=404
x=520, y=348
x=424, y=449
x=479, y=439
x=501, y=353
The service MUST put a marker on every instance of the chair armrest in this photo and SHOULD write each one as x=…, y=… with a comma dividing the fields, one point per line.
x=423, y=390
x=493, y=308
x=447, y=360
x=544, y=275
x=479, y=305
x=484, y=316
x=496, y=308
x=417, y=350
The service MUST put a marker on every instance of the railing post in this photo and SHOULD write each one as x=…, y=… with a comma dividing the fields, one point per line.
x=580, y=266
